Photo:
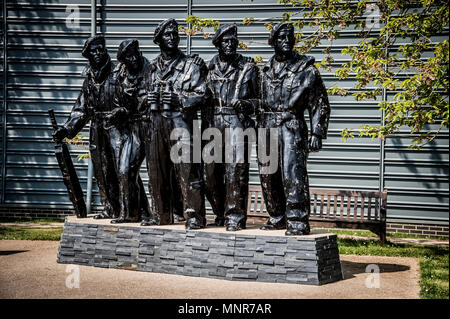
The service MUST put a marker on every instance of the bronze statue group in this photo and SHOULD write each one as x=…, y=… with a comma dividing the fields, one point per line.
x=135, y=105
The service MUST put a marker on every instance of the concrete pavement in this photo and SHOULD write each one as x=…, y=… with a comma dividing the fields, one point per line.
x=28, y=269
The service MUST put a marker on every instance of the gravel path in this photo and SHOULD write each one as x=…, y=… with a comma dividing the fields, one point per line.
x=28, y=269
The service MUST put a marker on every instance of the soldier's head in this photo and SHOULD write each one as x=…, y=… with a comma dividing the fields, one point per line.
x=95, y=51
x=166, y=35
x=282, y=38
x=226, y=40
x=130, y=55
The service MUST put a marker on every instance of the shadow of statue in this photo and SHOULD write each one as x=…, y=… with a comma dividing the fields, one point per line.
x=351, y=268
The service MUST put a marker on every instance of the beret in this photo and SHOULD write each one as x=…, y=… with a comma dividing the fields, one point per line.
x=222, y=30
x=160, y=28
x=94, y=39
x=278, y=27
x=125, y=45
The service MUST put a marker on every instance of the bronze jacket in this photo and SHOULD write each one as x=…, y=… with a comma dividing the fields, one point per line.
x=239, y=81
x=187, y=79
x=95, y=100
x=298, y=87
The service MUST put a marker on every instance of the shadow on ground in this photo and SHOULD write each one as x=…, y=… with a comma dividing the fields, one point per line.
x=11, y=252
x=350, y=268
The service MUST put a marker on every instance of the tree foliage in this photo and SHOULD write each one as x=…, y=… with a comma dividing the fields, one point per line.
x=399, y=52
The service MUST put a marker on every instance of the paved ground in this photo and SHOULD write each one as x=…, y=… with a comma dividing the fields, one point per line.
x=28, y=269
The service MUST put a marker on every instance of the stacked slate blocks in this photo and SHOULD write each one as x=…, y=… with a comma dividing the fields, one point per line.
x=310, y=260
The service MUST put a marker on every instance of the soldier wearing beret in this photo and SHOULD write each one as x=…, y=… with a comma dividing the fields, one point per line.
x=127, y=122
x=178, y=91
x=94, y=103
x=291, y=84
x=234, y=82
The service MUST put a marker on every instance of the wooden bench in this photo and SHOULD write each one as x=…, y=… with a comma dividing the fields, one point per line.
x=336, y=209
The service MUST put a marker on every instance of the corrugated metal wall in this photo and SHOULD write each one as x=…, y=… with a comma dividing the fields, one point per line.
x=44, y=66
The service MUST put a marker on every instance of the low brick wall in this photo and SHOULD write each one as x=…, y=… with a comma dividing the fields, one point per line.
x=418, y=229
x=251, y=254
x=27, y=213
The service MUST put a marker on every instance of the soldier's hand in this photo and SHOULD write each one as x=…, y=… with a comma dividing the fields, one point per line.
x=315, y=143
x=198, y=60
x=171, y=98
x=242, y=106
x=130, y=91
x=116, y=116
x=60, y=134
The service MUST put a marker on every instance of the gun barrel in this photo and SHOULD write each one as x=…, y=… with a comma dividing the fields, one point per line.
x=53, y=119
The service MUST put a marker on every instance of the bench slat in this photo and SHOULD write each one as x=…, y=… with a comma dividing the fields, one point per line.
x=355, y=207
x=315, y=204
x=341, y=210
x=349, y=200
x=261, y=207
x=335, y=206
x=321, y=205
x=249, y=205
x=328, y=205
x=362, y=207
x=376, y=208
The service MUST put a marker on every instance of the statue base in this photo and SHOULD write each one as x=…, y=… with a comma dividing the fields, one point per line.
x=251, y=254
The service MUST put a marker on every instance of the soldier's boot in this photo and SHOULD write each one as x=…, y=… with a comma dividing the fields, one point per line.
x=235, y=222
x=219, y=221
x=297, y=222
x=194, y=220
x=178, y=217
x=149, y=220
x=107, y=212
x=275, y=223
x=118, y=220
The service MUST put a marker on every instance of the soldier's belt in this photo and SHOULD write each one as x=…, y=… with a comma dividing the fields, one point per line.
x=101, y=115
x=225, y=111
x=280, y=117
x=139, y=117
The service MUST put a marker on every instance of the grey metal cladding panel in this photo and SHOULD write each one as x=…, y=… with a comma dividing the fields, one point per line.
x=139, y=20
x=45, y=64
x=417, y=181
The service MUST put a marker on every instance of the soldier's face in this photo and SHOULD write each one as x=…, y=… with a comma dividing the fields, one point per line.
x=170, y=38
x=228, y=45
x=97, y=54
x=132, y=59
x=284, y=41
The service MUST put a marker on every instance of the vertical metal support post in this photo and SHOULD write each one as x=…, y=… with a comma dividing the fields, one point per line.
x=5, y=103
x=189, y=39
x=383, y=141
x=90, y=167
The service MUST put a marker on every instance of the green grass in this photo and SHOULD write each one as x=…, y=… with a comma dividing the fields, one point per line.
x=24, y=233
x=434, y=277
x=434, y=261
x=30, y=220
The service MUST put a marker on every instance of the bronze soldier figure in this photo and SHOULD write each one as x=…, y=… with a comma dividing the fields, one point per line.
x=234, y=82
x=94, y=103
x=126, y=119
x=290, y=85
x=182, y=82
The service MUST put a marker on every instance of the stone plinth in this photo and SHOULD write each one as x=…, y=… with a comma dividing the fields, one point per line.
x=250, y=254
